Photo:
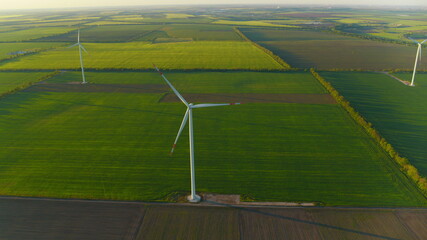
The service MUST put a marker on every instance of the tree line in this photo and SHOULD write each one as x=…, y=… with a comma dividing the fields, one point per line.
x=270, y=53
x=404, y=163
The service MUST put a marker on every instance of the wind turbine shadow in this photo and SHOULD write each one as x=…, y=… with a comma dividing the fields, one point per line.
x=293, y=219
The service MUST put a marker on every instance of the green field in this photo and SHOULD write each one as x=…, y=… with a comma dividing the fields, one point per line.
x=142, y=32
x=289, y=141
x=251, y=23
x=140, y=55
x=113, y=145
x=178, y=15
x=207, y=32
x=397, y=111
x=11, y=80
x=32, y=33
x=7, y=50
x=115, y=33
x=303, y=49
x=214, y=82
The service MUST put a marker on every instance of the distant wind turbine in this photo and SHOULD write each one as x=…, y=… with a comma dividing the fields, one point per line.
x=80, y=54
x=189, y=115
x=419, y=51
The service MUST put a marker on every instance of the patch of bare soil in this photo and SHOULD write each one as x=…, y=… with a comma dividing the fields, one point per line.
x=221, y=198
x=285, y=204
x=253, y=98
x=118, y=88
x=415, y=221
x=234, y=199
x=45, y=219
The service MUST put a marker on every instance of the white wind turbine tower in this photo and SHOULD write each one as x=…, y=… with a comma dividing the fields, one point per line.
x=80, y=54
x=419, y=50
x=189, y=115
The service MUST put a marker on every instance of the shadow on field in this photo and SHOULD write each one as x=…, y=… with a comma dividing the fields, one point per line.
x=240, y=122
x=297, y=220
x=295, y=60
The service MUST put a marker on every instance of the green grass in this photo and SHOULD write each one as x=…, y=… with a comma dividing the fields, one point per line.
x=11, y=80
x=207, y=32
x=153, y=36
x=56, y=23
x=252, y=23
x=265, y=35
x=6, y=49
x=115, y=33
x=139, y=55
x=212, y=82
x=389, y=35
x=305, y=49
x=131, y=18
x=178, y=15
x=115, y=146
x=110, y=22
x=161, y=19
x=32, y=33
x=8, y=29
x=397, y=111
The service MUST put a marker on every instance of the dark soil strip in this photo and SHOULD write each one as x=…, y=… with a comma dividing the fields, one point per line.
x=137, y=223
x=253, y=98
x=415, y=221
x=117, y=88
x=45, y=220
x=29, y=218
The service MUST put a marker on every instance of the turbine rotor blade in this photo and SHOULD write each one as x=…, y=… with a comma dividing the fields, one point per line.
x=172, y=87
x=413, y=40
x=203, y=105
x=75, y=44
x=184, y=121
x=78, y=35
x=424, y=41
x=84, y=49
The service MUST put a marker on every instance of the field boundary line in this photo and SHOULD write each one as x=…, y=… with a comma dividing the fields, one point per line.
x=202, y=204
x=276, y=58
x=181, y=70
x=367, y=37
x=16, y=56
x=29, y=84
x=410, y=171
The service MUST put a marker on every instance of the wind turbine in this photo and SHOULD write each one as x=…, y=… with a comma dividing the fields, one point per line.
x=80, y=54
x=189, y=115
x=419, y=50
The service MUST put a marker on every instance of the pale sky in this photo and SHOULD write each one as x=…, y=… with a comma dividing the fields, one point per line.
x=31, y=4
